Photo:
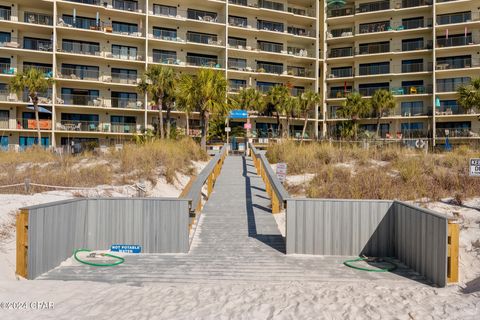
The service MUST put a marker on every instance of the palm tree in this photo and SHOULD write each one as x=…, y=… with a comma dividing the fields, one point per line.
x=159, y=83
x=208, y=90
x=382, y=100
x=34, y=81
x=276, y=99
x=307, y=103
x=291, y=108
x=185, y=98
x=354, y=108
x=469, y=95
x=249, y=99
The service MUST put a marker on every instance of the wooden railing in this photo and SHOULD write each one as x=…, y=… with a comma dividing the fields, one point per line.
x=273, y=186
x=452, y=251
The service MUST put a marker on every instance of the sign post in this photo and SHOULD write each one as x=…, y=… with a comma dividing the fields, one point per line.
x=475, y=167
x=281, y=171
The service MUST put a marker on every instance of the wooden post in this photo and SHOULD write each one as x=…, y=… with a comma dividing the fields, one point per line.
x=275, y=203
x=22, y=243
x=210, y=184
x=199, y=204
x=453, y=243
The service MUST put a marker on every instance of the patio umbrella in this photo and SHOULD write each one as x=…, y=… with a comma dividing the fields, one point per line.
x=97, y=19
x=74, y=15
x=40, y=109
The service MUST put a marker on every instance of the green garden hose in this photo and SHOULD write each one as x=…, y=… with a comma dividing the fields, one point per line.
x=119, y=259
x=349, y=263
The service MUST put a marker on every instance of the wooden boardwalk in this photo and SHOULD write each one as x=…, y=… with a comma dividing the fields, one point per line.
x=237, y=240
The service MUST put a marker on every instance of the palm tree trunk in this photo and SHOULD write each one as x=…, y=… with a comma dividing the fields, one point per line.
x=304, y=126
x=37, y=120
x=378, y=127
x=187, y=125
x=160, y=118
x=288, y=127
x=355, y=133
x=203, y=141
x=168, y=121
x=279, y=124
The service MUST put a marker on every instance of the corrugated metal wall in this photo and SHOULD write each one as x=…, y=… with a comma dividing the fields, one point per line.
x=56, y=229
x=415, y=236
x=339, y=227
x=421, y=241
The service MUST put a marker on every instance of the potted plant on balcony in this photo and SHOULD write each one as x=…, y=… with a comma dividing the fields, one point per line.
x=261, y=70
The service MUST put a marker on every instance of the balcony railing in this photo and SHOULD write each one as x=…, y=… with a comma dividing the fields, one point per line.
x=47, y=71
x=367, y=70
x=81, y=100
x=371, y=91
x=236, y=87
x=28, y=44
x=126, y=5
x=373, y=6
x=202, y=38
x=417, y=23
x=166, y=35
x=77, y=125
x=6, y=68
x=297, y=91
x=303, y=32
x=375, y=27
x=343, y=32
x=415, y=89
x=203, y=62
x=340, y=12
x=79, y=74
x=457, y=18
x=31, y=124
x=455, y=41
x=299, y=71
x=265, y=4
x=341, y=52
x=91, y=2
x=81, y=48
x=457, y=63
x=123, y=55
x=269, y=68
x=416, y=67
x=127, y=103
x=414, y=133
x=450, y=86
x=416, y=3
x=119, y=127
x=4, y=123
x=38, y=18
x=123, y=78
x=238, y=22
x=374, y=48
x=239, y=2
x=416, y=45
x=165, y=58
x=341, y=73
x=270, y=47
x=454, y=132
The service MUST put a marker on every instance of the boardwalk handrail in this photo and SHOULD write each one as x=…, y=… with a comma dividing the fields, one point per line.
x=210, y=173
x=274, y=187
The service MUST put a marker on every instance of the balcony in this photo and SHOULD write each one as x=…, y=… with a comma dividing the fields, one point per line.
x=339, y=93
x=47, y=71
x=38, y=18
x=165, y=58
x=372, y=6
x=126, y=103
x=237, y=22
x=340, y=52
x=343, y=32
x=81, y=48
x=414, y=133
x=375, y=27
x=449, y=64
x=79, y=74
x=340, y=12
x=416, y=3
x=6, y=68
x=374, y=48
x=370, y=91
x=344, y=72
x=120, y=127
x=459, y=17
x=121, y=54
x=80, y=23
x=31, y=124
x=270, y=47
x=410, y=24
x=167, y=35
x=203, y=38
x=123, y=78
x=375, y=69
x=269, y=68
x=4, y=123
x=236, y=87
x=81, y=100
x=416, y=45
x=301, y=32
x=455, y=41
x=299, y=72
x=204, y=16
x=416, y=67
x=455, y=132
x=239, y=2
x=77, y=125
x=126, y=5
x=451, y=86
x=90, y=2
x=198, y=61
x=409, y=90
x=296, y=92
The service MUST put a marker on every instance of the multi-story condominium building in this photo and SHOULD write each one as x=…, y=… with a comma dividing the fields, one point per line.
x=97, y=50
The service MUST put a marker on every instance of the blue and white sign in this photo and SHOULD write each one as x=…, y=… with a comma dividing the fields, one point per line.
x=126, y=248
x=238, y=114
x=475, y=167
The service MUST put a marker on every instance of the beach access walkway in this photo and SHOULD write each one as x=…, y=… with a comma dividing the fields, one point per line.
x=237, y=239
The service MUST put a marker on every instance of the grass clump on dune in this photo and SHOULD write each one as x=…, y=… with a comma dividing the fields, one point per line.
x=351, y=172
x=149, y=161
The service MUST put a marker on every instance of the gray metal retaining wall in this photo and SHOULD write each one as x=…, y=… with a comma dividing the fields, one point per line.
x=413, y=235
x=159, y=225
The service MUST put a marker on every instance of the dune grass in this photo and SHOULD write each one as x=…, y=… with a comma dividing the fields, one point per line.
x=351, y=172
x=147, y=161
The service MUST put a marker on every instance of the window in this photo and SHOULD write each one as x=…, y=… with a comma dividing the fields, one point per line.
x=374, y=68
x=124, y=99
x=264, y=87
x=455, y=62
x=124, y=52
x=82, y=47
x=237, y=21
x=163, y=10
x=124, y=75
x=340, y=72
x=237, y=63
x=201, y=15
x=339, y=92
x=198, y=37
x=269, y=67
x=237, y=84
x=341, y=52
x=412, y=129
x=451, y=84
x=122, y=119
x=26, y=142
x=237, y=42
x=375, y=27
x=449, y=106
x=376, y=47
x=270, y=25
x=83, y=97
x=45, y=67
x=75, y=71
x=270, y=46
x=271, y=5
x=37, y=44
x=123, y=124
x=415, y=65
x=4, y=143
x=165, y=33
x=5, y=66
x=203, y=60
x=124, y=28
x=413, y=23
x=164, y=56
x=412, y=44
x=5, y=13
x=457, y=17
x=5, y=37
x=454, y=40
x=412, y=108
x=127, y=5
x=367, y=89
